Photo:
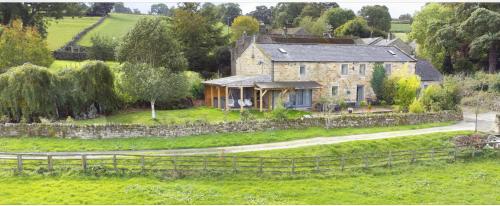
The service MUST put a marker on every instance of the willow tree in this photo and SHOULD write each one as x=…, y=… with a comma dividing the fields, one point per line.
x=28, y=92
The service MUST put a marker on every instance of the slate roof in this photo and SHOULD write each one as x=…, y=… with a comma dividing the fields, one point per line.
x=427, y=72
x=333, y=53
x=239, y=81
x=289, y=84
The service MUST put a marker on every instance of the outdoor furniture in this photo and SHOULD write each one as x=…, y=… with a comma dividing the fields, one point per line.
x=241, y=102
x=248, y=102
x=230, y=102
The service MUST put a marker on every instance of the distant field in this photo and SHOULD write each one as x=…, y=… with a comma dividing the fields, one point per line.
x=402, y=36
x=116, y=25
x=62, y=64
x=63, y=30
x=398, y=27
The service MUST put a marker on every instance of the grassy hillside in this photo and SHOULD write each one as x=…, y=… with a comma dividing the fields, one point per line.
x=63, y=30
x=116, y=25
x=401, y=28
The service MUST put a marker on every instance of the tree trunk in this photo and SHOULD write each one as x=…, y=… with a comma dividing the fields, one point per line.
x=447, y=64
x=153, y=112
x=492, y=58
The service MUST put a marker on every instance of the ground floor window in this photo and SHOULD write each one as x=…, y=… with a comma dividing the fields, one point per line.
x=301, y=98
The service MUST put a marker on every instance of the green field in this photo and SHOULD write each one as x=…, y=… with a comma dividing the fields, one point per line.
x=116, y=25
x=402, y=36
x=61, y=31
x=40, y=144
x=400, y=28
x=62, y=64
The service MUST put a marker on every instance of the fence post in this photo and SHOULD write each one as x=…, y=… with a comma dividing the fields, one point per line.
x=84, y=163
x=455, y=154
x=293, y=166
x=342, y=163
x=142, y=164
x=365, y=158
x=205, y=163
x=389, y=161
x=317, y=164
x=115, y=166
x=49, y=163
x=413, y=157
x=234, y=164
x=174, y=162
x=261, y=165
x=432, y=154
x=20, y=163
x=473, y=152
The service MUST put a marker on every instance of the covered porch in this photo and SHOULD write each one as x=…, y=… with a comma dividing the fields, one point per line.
x=292, y=94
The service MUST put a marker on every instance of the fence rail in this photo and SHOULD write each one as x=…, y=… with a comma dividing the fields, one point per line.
x=187, y=165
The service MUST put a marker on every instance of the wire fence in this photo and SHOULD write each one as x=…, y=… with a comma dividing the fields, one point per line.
x=192, y=165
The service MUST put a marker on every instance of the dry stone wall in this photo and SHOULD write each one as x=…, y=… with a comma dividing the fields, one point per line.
x=170, y=131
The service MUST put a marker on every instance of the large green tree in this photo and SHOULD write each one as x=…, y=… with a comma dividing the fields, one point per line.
x=144, y=82
x=20, y=45
x=263, y=14
x=377, y=81
x=244, y=24
x=152, y=42
x=483, y=29
x=355, y=27
x=377, y=17
x=338, y=16
x=160, y=9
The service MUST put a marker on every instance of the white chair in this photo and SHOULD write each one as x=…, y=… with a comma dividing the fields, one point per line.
x=248, y=103
x=230, y=102
x=241, y=103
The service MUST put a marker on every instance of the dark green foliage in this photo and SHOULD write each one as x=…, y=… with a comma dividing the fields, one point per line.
x=100, y=9
x=103, y=48
x=120, y=8
x=377, y=17
x=263, y=14
x=32, y=14
x=355, y=27
x=390, y=90
x=338, y=16
x=377, y=81
x=27, y=92
x=160, y=9
x=436, y=97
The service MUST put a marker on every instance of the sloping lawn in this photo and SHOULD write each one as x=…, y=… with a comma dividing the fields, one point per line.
x=40, y=144
x=178, y=116
x=58, y=65
x=116, y=25
x=61, y=31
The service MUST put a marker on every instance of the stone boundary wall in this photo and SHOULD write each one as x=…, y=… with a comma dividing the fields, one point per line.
x=169, y=131
x=63, y=54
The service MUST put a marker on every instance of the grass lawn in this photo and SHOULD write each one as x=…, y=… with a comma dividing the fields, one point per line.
x=425, y=141
x=402, y=36
x=116, y=25
x=41, y=144
x=475, y=182
x=398, y=27
x=61, y=31
x=58, y=65
x=178, y=116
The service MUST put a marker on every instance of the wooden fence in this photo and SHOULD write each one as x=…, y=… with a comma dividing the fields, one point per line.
x=188, y=165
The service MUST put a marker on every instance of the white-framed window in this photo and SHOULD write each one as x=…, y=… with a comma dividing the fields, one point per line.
x=362, y=69
x=335, y=90
x=344, y=69
x=388, y=69
x=302, y=70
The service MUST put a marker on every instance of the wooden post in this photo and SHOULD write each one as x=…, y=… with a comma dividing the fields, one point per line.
x=115, y=165
x=389, y=161
x=342, y=163
x=261, y=100
x=211, y=96
x=19, y=163
x=473, y=152
x=269, y=101
x=293, y=166
x=84, y=163
x=432, y=154
x=413, y=156
x=254, y=98
x=174, y=162
x=455, y=154
x=218, y=98
x=261, y=165
x=227, y=98
x=143, y=165
x=49, y=162
x=234, y=164
x=365, y=158
x=205, y=163
x=241, y=98
x=317, y=164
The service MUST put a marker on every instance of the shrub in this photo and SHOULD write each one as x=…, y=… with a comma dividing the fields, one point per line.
x=416, y=107
x=407, y=88
x=246, y=115
x=279, y=112
x=103, y=48
x=390, y=90
x=196, y=88
x=377, y=81
x=4, y=119
x=437, y=98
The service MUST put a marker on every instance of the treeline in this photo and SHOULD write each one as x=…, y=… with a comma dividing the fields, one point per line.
x=458, y=37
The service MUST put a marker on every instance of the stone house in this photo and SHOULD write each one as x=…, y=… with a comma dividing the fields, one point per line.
x=301, y=75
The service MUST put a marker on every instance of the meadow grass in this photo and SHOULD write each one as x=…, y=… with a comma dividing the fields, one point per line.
x=399, y=27
x=402, y=36
x=59, y=65
x=115, y=26
x=472, y=182
x=179, y=116
x=61, y=31
x=48, y=144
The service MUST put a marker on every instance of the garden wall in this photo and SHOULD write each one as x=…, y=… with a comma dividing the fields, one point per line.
x=126, y=131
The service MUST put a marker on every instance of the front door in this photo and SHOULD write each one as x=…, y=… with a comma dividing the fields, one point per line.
x=360, y=93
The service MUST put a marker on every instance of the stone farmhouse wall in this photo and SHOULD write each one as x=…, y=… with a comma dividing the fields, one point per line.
x=170, y=131
x=328, y=74
x=253, y=62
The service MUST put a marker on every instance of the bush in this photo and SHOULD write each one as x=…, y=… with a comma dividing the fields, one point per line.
x=436, y=98
x=246, y=115
x=103, y=48
x=390, y=90
x=279, y=112
x=196, y=88
x=416, y=107
x=377, y=81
